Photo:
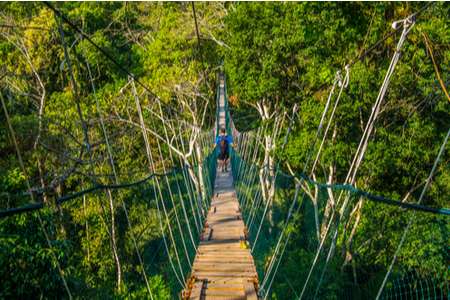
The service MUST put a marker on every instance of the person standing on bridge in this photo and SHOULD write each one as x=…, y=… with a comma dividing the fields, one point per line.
x=223, y=142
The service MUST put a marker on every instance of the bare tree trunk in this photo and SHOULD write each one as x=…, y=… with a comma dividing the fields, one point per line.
x=41, y=179
x=114, y=240
x=23, y=49
x=196, y=182
x=201, y=179
x=315, y=200
x=348, y=245
x=267, y=172
x=330, y=206
x=86, y=224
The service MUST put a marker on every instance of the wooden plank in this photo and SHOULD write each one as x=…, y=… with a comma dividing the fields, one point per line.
x=221, y=254
x=233, y=260
x=225, y=281
x=235, y=246
x=225, y=221
x=220, y=235
x=250, y=292
x=241, y=263
x=220, y=243
x=235, y=249
x=196, y=292
x=223, y=248
x=223, y=218
x=230, y=293
x=206, y=274
x=229, y=224
x=238, y=250
x=221, y=259
x=225, y=268
x=225, y=258
x=207, y=234
x=225, y=286
x=218, y=262
x=226, y=298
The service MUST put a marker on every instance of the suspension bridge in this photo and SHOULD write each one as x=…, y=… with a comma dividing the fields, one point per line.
x=226, y=235
x=223, y=267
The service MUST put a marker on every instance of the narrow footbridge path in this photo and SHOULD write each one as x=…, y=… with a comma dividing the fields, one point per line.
x=223, y=267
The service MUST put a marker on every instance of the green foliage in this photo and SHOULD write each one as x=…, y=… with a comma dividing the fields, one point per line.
x=157, y=285
x=157, y=43
x=284, y=53
x=288, y=53
x=25, y=255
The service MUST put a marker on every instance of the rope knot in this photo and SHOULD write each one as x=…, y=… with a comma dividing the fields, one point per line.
x=343, y=82
x=347, y=75
x=406, y=22
x=338, y=78
x=295, y=109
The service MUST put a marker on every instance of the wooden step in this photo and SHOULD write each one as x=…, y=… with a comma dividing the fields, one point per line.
x=202, y=275
x=212, y=293
x=219, y=264
x=207, y=234
x=232, y=260
x=220, y=257
x=225, y=286
x=227, y=268
x=250, y=291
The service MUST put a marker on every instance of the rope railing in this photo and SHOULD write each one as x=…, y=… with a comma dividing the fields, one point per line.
x=288, y=188
x=143, y=191
x=344, y=187
x=98, y=187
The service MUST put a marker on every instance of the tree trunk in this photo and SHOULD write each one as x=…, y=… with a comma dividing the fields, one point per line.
x=315, y=201
x=330, y=203
x=196, y=182
x=201, y=179
x=114, y=240
x=87, y=228
x=267, y=172
x=348, y=246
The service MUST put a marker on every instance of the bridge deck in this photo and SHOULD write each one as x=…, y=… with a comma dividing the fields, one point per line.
x=223, y=267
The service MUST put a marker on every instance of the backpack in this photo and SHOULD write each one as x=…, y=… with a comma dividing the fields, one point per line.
x=223, y=144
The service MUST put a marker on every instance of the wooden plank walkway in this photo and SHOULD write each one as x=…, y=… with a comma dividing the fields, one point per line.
x=223, y=268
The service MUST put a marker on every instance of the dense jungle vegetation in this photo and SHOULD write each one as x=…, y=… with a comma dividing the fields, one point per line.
x=60, y=94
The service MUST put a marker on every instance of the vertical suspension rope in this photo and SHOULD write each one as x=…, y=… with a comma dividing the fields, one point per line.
x=343, y=84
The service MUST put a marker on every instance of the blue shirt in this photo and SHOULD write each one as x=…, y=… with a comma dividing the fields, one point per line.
x=227, y=137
